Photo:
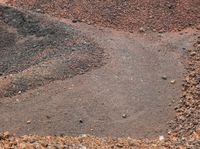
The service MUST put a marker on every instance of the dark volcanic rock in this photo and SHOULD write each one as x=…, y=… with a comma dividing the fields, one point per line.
x=27, y=41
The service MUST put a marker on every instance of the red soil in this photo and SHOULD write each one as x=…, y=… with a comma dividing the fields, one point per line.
x=129, y=15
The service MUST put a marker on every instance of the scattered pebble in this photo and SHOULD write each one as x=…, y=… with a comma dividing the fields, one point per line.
x=80, y=121
x=142, y=29
x=161, y=138
x=124, y=116
x=83, y=135
x=38, y=10
x=193, y=53
x=28, y=122
x=76, y=20
x=164, y=77
x=173, y=81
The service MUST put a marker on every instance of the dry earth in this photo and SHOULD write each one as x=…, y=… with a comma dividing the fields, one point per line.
x=129, y=15
x=57, y=49
x=69, y=78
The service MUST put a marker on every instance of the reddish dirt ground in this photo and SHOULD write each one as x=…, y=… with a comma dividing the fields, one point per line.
x=109, y=91
x=129, y=15
x=101, y=97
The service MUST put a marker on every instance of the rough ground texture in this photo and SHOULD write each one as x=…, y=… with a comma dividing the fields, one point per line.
x=188, y=110
x=100, y=97
x=116, y=99
x=57, y=49
x=129, y=15
x=181, y=140
x=91, y=142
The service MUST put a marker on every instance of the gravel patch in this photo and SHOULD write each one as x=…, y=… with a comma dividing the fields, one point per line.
x=49, y=49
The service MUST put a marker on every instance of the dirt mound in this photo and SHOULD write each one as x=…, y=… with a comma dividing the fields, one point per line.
x=156, y=15
x=36, y=50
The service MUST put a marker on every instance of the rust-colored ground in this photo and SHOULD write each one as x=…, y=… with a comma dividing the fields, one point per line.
x=71, y=79
x=129, y=15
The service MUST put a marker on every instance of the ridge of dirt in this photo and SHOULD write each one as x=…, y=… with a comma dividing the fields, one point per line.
x=35, y=51
x=128, y=15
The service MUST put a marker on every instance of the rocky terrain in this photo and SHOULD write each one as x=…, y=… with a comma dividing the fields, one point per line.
x=100, y=74
x=129, y=15
x=45, y=43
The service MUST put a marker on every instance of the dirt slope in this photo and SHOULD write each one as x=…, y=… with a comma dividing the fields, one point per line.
x=157, y=15
x=37, y=50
